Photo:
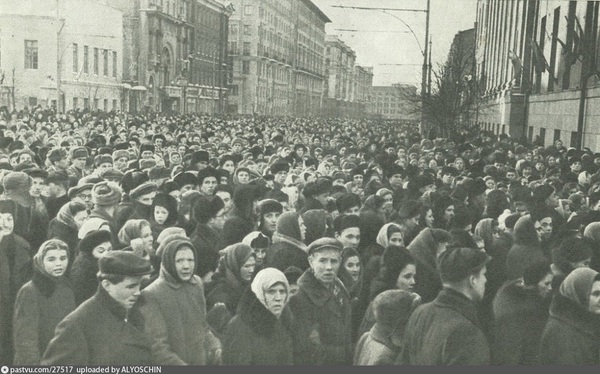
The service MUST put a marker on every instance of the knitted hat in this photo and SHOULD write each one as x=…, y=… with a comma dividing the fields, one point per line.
x=16, y=180
x=143, y=189
x=106, y=194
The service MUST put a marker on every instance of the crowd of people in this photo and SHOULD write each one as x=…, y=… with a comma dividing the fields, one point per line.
x=193, y=240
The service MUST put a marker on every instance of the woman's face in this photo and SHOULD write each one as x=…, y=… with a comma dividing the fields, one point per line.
x=449, y=213
x=80, y=218
x=247, y=269
x=160, y=214
x=229, y=166
x=544, y=286
x=594, y=306
x=459, y=164
x=302, y=227
x=406, y=279
x=243, y=177
x=146, y=236
x=55, y=262
x=397, y=239
x=490, y=184
x=275, y=299
x=102, y=250
x=260, y=254
x=429, y=218
x=352, y=266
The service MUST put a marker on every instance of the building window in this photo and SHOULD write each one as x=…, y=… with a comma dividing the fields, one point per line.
x=96, y=57
x=234, y=90
x=105, y=57
x=247, y=30
x=248, y=10
x=543, y=136
x=246, y=48
x=573, y=139
x=32, y=101
x=86, y=59
x=86, y=103
x=106, y=105
x=75, y=103
x=530, y=133
x=96, y=104
x=245, y=67
x=75, y=58
x=556, y=135
x=31, y=54
x=114, y=105
x=114, y=73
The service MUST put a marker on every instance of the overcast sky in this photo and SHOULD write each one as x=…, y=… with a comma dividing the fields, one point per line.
x=375, y=48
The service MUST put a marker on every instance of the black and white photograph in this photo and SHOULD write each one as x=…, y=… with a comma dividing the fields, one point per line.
x=298, y=183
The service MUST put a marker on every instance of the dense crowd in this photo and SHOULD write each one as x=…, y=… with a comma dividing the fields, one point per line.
x=195, y=240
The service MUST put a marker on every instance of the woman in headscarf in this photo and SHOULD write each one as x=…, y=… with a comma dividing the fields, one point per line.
x=443, y=211
x=571, y=335
x=288, y=248
x=164, y=213
x=426, y=248
x=592, y=235
x=316, y=224
x=65, y=226
x=42, y=303
x=137, y=234
x=487, y=229
x=259, y=244
x=233, y=275
x=520, y=312
x=350, y=272
x=260, y=333
x=85, y=267
x=374, y=205
x=172, y=310
x=526, y=248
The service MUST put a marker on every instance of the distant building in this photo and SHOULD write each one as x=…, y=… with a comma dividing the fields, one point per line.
x=43, y=49
x=276, y=50
x=175, y=54
x=391, y=102
x=363, y=84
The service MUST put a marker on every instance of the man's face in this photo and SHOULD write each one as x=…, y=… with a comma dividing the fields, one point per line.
x=325, y=265
x=350, y=237
x=511, y=175
x=226, y=197
x=147, y=199
x=63, y=163
x=208, y=185
x=478, y=283
x=237, y=148
x=357, y=179
x=7, y=223
x=396, y=180
x=37, y=186
x=218, y=221
x=121, y=163
x=79, y=162
x=546, y=224
x=175, y=158
x=447, y=179
x=552, y=201
x=243, y=177
x=280, y=177
x=147, y=155
x=158, y=143
x=126, y=293
x=576, y=167
x=355, y=210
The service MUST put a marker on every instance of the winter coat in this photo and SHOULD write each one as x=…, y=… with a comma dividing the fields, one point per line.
x=256, y=337
x=98, y=333
x=428, y=282
x=40, y=306
x=526, y=249
x=236, y=227
x=173, y=314
x=83, y=277
x=207, y=244
x=376, y=347
x=112, y=223
x=223, y=290
x=66, y=233
x=310, y=204
x=571, y=335
x=445, y=332
x=286, y=252
x=319, y=313
x=15, y=271
x=520, y=315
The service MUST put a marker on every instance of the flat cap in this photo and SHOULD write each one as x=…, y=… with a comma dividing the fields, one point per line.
x=143, y=189
x=79, y=152
x=124, y=263
x=112, y=174
x=325, y=243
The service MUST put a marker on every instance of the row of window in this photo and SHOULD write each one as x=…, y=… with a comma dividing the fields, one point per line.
x=96, y=104
x=107, y=55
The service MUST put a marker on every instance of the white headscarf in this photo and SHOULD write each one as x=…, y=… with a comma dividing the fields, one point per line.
x=265, y=279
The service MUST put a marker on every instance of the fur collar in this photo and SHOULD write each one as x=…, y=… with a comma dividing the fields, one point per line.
x=513, y=299
x=449, y=298
x=570, y=313
x=321, y=296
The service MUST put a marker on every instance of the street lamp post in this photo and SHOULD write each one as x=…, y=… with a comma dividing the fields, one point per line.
x=425, y=73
